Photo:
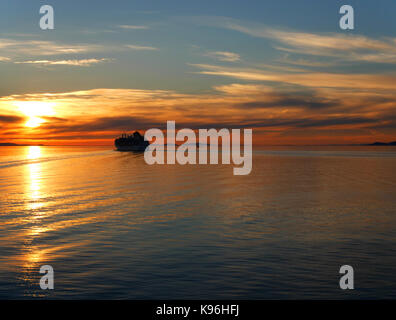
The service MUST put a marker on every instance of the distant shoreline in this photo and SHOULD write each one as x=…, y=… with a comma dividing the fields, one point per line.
x=20, y=145
x=393, y=143
x=375, y=144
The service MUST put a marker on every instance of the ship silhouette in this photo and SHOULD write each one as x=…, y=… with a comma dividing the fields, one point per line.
x=134, y=142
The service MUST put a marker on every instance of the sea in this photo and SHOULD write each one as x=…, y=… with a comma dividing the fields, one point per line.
x=113, y=227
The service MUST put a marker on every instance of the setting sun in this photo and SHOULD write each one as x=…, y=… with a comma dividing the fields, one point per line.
x=35, y=110
x=34, y=122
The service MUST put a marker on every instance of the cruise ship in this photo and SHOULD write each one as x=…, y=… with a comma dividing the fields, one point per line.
x=134, y=142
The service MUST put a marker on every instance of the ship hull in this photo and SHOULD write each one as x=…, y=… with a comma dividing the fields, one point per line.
x=131, y=148
x=133, y=142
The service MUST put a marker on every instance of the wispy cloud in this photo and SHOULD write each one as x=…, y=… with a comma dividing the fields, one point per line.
x=79, y=63
x=342, y=46
x=308, y=79
x=133, y=27
x=10, y=119
x=305, y=62
x=138, y=47
x=41, y=48
x=97, y=31
x=16, y=50
x=224, y=56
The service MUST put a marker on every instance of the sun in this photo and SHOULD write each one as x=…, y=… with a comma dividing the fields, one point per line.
x=35, y=110
x=34, y=122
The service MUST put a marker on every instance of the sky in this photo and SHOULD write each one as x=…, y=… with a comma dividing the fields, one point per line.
x=283, y=68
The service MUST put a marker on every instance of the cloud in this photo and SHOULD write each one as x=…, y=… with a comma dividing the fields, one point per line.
x=97, y=31
x=308, y=79
x=79, y=63
x=224, y=56
x=41, y=48
x=329, y=44
x=4, y=59
x=101, y=124
x=137, y=47
x=306, y=62
x=10, y=119
x=345, y=47
x=288, y=101
x=133, y=27
x=284, y=114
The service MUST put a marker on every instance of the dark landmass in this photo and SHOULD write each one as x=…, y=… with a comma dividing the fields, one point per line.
x=8, y=144
x=393, y=143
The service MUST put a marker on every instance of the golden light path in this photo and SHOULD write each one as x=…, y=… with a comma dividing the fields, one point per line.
x=34, y=153
x=34, y=255
x=33, y=192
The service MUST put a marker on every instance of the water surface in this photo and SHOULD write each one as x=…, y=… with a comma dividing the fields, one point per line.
x=114, y=227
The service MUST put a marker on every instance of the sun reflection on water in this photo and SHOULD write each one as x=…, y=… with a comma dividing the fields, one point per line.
x=34, y=152
x=34, y=194
x=34, y=202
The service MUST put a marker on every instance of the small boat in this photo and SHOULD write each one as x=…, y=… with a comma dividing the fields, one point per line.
x=134, y=142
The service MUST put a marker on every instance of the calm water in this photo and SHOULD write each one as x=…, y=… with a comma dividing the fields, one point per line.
x=113, y=227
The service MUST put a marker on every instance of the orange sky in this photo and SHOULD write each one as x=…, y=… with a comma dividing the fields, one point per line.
x=314, y=115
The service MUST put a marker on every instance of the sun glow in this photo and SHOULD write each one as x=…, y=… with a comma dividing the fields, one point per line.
x=35, y=110
x=34, y=122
